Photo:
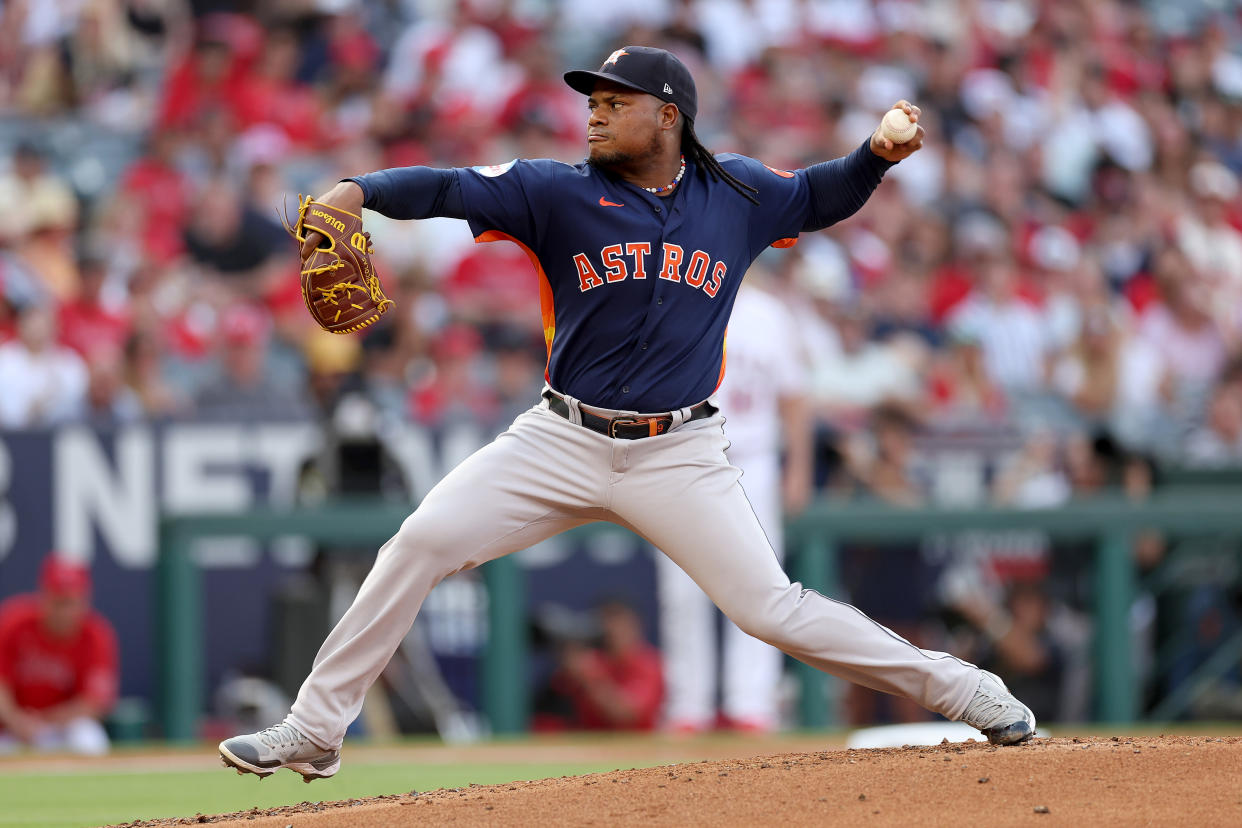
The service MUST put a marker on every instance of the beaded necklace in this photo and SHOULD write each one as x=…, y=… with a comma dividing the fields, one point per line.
x=676, y=181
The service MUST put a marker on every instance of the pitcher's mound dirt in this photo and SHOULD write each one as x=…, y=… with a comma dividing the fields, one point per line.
x=1167, y=780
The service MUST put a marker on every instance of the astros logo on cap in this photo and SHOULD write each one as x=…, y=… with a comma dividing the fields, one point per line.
x=613, y=57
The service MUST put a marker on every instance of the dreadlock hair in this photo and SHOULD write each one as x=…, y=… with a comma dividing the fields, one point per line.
x=707, y=162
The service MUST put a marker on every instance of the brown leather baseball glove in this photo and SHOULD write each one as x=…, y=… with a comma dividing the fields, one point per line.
x=339, y=284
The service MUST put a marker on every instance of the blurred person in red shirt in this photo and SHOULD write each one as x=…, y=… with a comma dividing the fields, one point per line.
x=453, y=386
x=542, y=96
x=58, y=665
x=86, y=323
x=212, y=74
x=274, y=94
x=618, y=685
x=492, y=286
x=158, y=192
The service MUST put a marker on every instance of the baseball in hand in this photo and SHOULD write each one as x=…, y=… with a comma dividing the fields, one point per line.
x=897, y=126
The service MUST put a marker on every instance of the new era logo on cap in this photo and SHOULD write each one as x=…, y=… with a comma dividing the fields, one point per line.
x=668, y=90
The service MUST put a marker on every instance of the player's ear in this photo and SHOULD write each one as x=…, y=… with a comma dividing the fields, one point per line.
x=669, y=116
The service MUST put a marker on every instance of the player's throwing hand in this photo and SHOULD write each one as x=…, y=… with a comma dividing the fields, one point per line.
x=882, y=143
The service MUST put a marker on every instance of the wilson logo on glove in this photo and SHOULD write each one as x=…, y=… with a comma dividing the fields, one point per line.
x=339, y=284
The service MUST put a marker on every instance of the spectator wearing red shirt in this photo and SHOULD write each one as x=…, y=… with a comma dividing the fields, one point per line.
x=213, y=75
x=274, y=95
x=542, y=97
x=58, y=665
x=159, y=192
x=87, y=324
x=620, y=684
x=453, y=387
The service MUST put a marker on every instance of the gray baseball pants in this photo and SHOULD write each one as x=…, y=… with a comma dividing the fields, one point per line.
x=545, y=475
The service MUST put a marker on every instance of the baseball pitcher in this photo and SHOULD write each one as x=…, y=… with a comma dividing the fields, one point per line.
x=640, y=251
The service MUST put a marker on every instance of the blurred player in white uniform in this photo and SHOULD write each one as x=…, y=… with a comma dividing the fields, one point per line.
x=763, y=399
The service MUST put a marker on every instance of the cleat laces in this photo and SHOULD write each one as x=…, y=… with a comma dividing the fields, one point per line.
x=984, y=709
x=279, y=736
x=994, y=706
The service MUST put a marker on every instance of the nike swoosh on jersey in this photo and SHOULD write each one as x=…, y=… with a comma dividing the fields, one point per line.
x=604, y=202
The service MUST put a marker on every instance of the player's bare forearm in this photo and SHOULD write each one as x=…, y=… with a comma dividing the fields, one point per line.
x=20, y=723
x=610, y=700
x=8, y=707
x=75, y=708
x=1024, y=651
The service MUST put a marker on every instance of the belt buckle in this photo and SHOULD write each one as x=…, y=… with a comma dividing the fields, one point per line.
x=620, y=421
x=655, y=425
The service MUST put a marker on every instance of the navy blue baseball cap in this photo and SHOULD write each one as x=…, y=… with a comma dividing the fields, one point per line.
x=646, y=69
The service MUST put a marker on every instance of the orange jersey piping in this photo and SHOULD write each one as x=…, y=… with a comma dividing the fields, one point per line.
x=724, y=358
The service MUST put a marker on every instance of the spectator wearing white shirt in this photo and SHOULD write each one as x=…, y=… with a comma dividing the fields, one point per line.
x=458, y=60
x=1213, y=245
x=1218, y=442
x=1182, y=330
x=1091, y=122
x=44, y=384
x=864, y=373
x=1112, y=380
x=1011, y=331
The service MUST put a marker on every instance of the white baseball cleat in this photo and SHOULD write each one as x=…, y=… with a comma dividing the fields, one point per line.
x=280, y=746
x=995, y=711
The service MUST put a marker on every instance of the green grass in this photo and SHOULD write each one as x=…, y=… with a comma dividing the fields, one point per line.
x=70, y=800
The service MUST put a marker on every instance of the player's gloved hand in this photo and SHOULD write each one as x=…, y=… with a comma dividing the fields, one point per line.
x=339, y=283
x=890, y=151
x=347, y=196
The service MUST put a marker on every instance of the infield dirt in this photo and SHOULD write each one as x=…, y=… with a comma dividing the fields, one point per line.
x=1164, y=780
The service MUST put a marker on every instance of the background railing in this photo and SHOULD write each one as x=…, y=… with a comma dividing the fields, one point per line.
x=1111, y=521
x=813, y=541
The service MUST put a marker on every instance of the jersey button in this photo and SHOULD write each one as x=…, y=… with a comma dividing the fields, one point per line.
x=657, y=209
x=644, y=346
x=625, y=389
x=660, y=301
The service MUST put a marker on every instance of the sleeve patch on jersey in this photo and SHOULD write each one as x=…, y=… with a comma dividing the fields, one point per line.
x=785, y=242
x=781, y=173
x=495, y=169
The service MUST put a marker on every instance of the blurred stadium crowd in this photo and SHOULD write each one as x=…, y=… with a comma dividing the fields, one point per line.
x=1064, y=255
x=1058, y=273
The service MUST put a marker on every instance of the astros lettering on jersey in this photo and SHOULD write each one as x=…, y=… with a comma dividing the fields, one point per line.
x=616, y=262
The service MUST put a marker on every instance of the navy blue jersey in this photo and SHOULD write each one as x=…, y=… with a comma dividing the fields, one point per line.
x=636, y=289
